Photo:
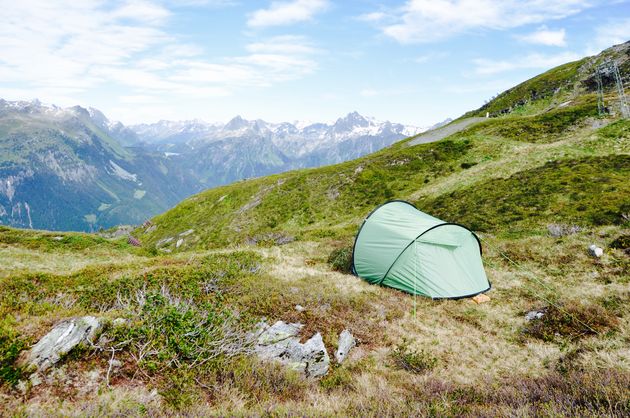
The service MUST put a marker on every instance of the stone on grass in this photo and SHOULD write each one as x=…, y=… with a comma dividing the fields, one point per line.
x=300, y=308
x=531, y=315
x=595, y=251
x=280, y=342
x=481, y=298
x=561, y=230
x=61, y=340
x=346, y=342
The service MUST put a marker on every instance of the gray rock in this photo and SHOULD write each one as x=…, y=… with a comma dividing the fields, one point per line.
x=61, y=339
x=119, y=322
x=315, y=356
x=595, y=251
x=346, y=342
x=163, y=242
x=150, y=229
x=531, y=315
x=179, y=243
x=561, y=230
x=300, y=308
x=280, y=342
x=278, y=332
x=35, y=379
x=186, y=233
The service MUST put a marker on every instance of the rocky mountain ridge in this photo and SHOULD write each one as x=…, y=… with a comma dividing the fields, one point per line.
x=74, y=169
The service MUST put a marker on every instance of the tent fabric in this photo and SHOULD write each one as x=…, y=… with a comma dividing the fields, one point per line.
x=401, y=247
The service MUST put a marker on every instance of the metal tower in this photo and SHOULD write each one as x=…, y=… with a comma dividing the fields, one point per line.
x=623, y=102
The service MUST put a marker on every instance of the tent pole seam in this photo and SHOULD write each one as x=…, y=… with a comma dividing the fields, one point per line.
x=414, y=240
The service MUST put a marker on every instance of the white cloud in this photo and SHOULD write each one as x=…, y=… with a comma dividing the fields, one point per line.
x=286, y=12
x=59, y=52
x=373, y=17
x=544, y=36
x=611, y=33
x=424, y=21
x=286, y=44
x=534, y=61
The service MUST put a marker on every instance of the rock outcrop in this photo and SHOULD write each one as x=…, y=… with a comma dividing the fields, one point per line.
x=346, y=342
x=280, y=342
x=61, y=339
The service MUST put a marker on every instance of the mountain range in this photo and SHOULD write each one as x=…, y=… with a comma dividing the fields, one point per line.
x=74, y=169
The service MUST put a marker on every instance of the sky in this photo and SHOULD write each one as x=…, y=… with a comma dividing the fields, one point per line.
x=410, y=61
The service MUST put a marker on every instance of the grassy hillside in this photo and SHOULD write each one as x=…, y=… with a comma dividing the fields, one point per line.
x=449, y=178
x=216, y=264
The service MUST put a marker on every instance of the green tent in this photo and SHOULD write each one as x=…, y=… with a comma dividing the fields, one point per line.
x=398, y=246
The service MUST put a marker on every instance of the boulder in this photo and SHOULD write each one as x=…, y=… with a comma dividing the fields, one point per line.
x=595, y=251
x=61, y=339
x=280, y=342
x=346, y=342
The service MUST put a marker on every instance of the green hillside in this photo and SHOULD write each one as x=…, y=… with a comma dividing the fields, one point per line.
x=539, y=183
x=451, y=178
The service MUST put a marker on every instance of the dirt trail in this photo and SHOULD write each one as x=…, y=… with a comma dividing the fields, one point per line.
x=444, y=131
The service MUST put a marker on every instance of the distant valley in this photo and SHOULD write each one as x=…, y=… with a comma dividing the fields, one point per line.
x=74, y=169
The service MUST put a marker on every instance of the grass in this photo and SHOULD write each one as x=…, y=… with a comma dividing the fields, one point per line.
x=543, y=127
x=588, y=191
x=178, y=317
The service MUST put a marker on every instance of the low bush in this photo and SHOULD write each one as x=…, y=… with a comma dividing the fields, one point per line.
x=573, y=320
x=340, y=259
x=11, y=343
x=171, y=333
x=466, y=165
x=622, y=242
x=415, y=361
x=339, y=377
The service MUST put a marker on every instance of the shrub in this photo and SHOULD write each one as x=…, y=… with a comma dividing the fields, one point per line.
x=337, y=378
x=10, y=346
x=572, y=320
x=415, y=361
x=340, y=259
x=173, y=334
x=621, y=242
x=466, y=165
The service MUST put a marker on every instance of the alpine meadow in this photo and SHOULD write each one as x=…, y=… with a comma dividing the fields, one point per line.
x=252, y=297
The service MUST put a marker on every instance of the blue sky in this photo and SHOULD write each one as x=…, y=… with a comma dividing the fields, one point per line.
x=410, y=61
